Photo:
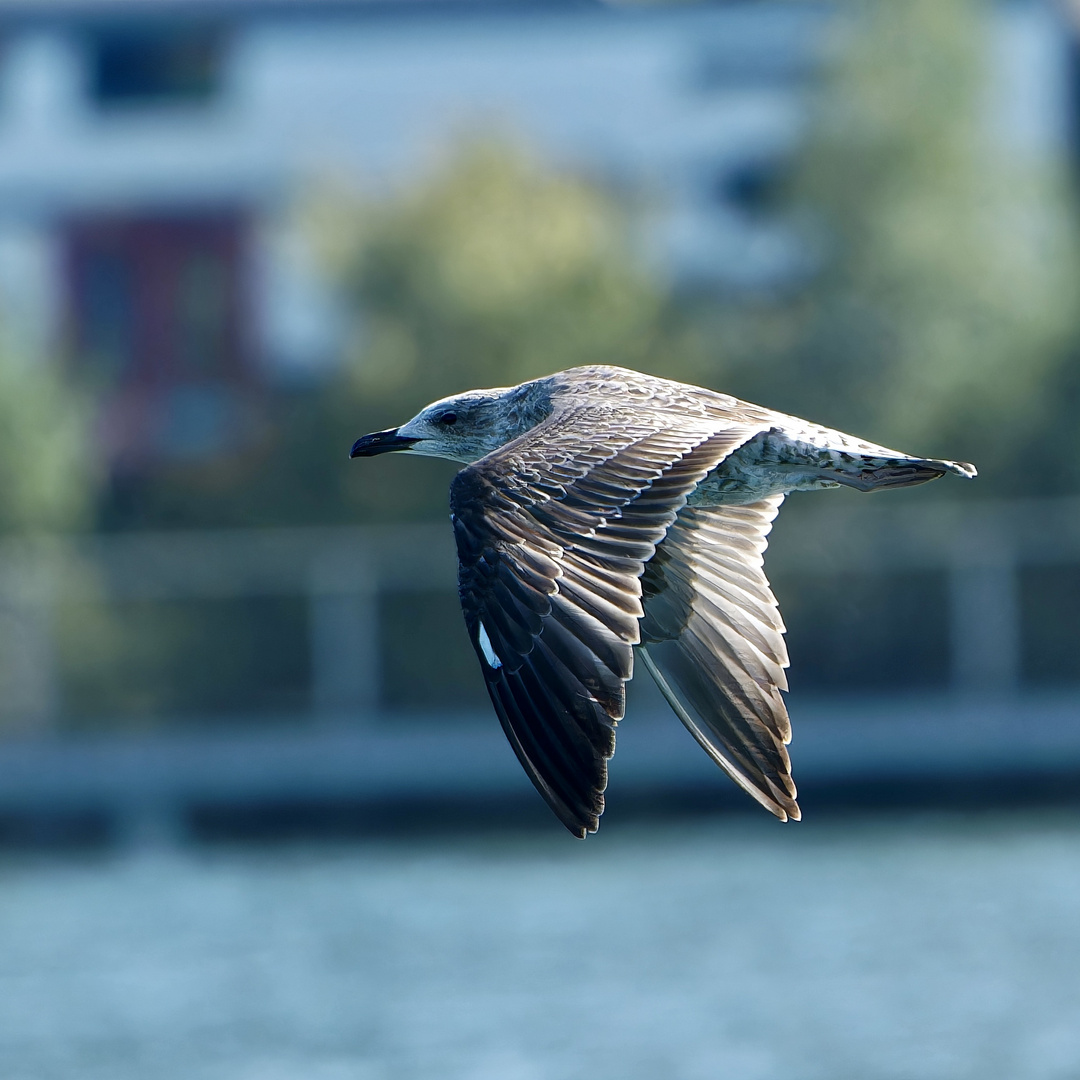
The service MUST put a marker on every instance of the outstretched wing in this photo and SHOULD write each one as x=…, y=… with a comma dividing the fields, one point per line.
x=713, y=640
x=553, y=534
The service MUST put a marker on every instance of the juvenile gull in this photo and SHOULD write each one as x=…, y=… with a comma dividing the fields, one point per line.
x=602, y=511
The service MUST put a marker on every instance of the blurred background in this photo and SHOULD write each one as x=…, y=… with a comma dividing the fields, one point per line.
x=257, y=819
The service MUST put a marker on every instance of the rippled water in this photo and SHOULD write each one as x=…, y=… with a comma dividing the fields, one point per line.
x=908, y=948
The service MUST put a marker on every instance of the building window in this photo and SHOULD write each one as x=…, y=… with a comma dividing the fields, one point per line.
x=158, y=316
x=753, y=187
x=155, y=65
x=107, y=324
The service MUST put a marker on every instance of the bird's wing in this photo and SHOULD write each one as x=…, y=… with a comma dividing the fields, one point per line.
x=553, y=532
x=713, y=640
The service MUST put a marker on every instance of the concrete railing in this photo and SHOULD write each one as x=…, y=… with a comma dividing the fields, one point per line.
x=981, y=547
x=341, y=573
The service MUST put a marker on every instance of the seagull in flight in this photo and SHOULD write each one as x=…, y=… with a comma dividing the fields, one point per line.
x=602, y=513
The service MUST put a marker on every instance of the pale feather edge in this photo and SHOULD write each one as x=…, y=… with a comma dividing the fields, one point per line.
x=672, y=699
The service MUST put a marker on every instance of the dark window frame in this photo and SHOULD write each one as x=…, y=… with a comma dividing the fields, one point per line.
x=143, y=65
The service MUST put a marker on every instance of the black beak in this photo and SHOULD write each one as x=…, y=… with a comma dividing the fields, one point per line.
x=380, y=442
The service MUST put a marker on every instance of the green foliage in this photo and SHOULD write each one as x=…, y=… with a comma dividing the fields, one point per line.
x=489, y=271
x=492, y=270
x=945, y=306
x=49, y=475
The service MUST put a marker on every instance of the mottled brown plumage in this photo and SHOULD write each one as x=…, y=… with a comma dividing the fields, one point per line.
x=603, y=511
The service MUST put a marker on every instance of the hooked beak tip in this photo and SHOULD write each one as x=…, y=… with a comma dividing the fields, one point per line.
x=380, y=442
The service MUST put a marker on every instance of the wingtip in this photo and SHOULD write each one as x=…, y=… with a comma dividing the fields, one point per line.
x=577, y=825
x=788, y=812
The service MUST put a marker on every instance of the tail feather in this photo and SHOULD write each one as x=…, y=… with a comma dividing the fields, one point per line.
x=869, y=473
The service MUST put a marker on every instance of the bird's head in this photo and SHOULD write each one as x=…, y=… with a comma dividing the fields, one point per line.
x=465, y=427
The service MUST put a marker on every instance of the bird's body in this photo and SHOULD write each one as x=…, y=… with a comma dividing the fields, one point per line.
x=603, y=512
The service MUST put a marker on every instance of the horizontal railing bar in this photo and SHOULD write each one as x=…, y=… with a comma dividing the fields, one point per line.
x=238, y=563
x=838, y=534
x=863, y=740
x=840, y=537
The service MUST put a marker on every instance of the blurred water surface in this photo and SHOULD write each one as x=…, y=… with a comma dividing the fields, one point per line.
x=930, y=947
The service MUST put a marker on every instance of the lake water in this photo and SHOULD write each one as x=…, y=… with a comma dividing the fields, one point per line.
x=905, y=948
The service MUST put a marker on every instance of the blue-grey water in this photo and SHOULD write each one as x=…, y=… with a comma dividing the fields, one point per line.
x=912, y=948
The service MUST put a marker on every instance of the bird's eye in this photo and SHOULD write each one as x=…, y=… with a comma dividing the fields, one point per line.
x=448, y=418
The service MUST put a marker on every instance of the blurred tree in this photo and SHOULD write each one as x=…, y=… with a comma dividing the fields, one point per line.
x=490, y=269
x=944, y=308
x=49, y=473
x=50, y=482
